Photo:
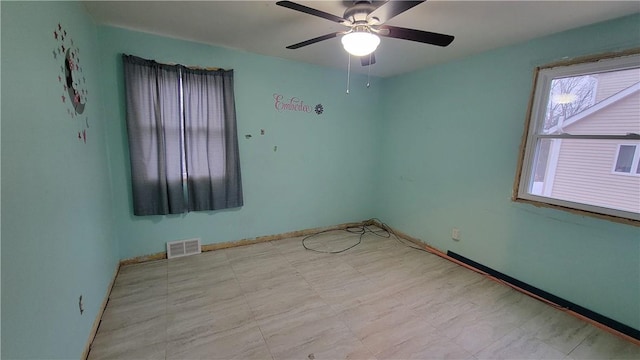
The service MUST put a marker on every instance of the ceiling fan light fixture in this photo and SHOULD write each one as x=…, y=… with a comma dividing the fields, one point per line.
x=360, y=43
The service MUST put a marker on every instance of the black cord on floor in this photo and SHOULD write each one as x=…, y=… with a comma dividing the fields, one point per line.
x=362, y=230
x=399, y=239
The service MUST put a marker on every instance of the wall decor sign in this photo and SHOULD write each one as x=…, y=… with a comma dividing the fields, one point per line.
x=280, y=103
x=71, y=79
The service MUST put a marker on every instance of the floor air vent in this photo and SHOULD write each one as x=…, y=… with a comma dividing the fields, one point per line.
x=183, y=248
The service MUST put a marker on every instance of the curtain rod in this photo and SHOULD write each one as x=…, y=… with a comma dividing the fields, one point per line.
x=193, y=67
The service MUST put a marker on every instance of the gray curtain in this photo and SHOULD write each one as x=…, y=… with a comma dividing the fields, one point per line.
x=168, y=145
x=153, y=125
x=211, y=140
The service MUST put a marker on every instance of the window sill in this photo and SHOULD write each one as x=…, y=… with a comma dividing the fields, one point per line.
x=574, y=211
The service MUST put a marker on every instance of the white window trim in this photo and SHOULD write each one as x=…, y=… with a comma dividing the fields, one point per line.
x=635, y=161
x=542, y=87
x=554, y=154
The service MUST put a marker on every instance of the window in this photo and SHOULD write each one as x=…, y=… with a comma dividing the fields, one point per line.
x=583, y=133
x=183, y=143
x=628, y=160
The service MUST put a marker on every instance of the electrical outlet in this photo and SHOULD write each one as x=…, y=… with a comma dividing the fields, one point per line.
x=455, y=234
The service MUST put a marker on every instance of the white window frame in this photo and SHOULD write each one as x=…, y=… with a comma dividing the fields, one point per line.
x=542, y=86
x=635, y=161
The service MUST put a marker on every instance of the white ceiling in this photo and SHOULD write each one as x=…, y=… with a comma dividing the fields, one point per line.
x=262, y=27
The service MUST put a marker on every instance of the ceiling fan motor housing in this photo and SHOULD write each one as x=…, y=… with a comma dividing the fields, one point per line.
x=358, y=13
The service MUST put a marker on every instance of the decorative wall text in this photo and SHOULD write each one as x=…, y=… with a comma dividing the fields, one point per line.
x=292, y=104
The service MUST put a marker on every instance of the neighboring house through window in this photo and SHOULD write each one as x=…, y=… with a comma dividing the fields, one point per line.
x=583, y=133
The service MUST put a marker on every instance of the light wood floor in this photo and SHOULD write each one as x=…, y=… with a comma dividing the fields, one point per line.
x=379, y=300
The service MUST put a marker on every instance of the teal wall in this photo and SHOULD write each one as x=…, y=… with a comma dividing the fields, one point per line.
x=57, y=228
x=452, y=134
x=321, y=174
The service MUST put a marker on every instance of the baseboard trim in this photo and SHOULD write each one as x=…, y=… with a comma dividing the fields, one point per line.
x=625, y=332
x=144, y=258
x=96, y=322
x=248, y=241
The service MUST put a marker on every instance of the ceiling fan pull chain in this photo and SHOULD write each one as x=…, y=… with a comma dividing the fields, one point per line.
x=369, y=72
x=348, y=72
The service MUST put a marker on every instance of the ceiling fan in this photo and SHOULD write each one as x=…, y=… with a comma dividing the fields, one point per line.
x=365, y=21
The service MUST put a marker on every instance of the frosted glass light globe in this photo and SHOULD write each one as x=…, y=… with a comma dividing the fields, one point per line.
x=359, y=43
